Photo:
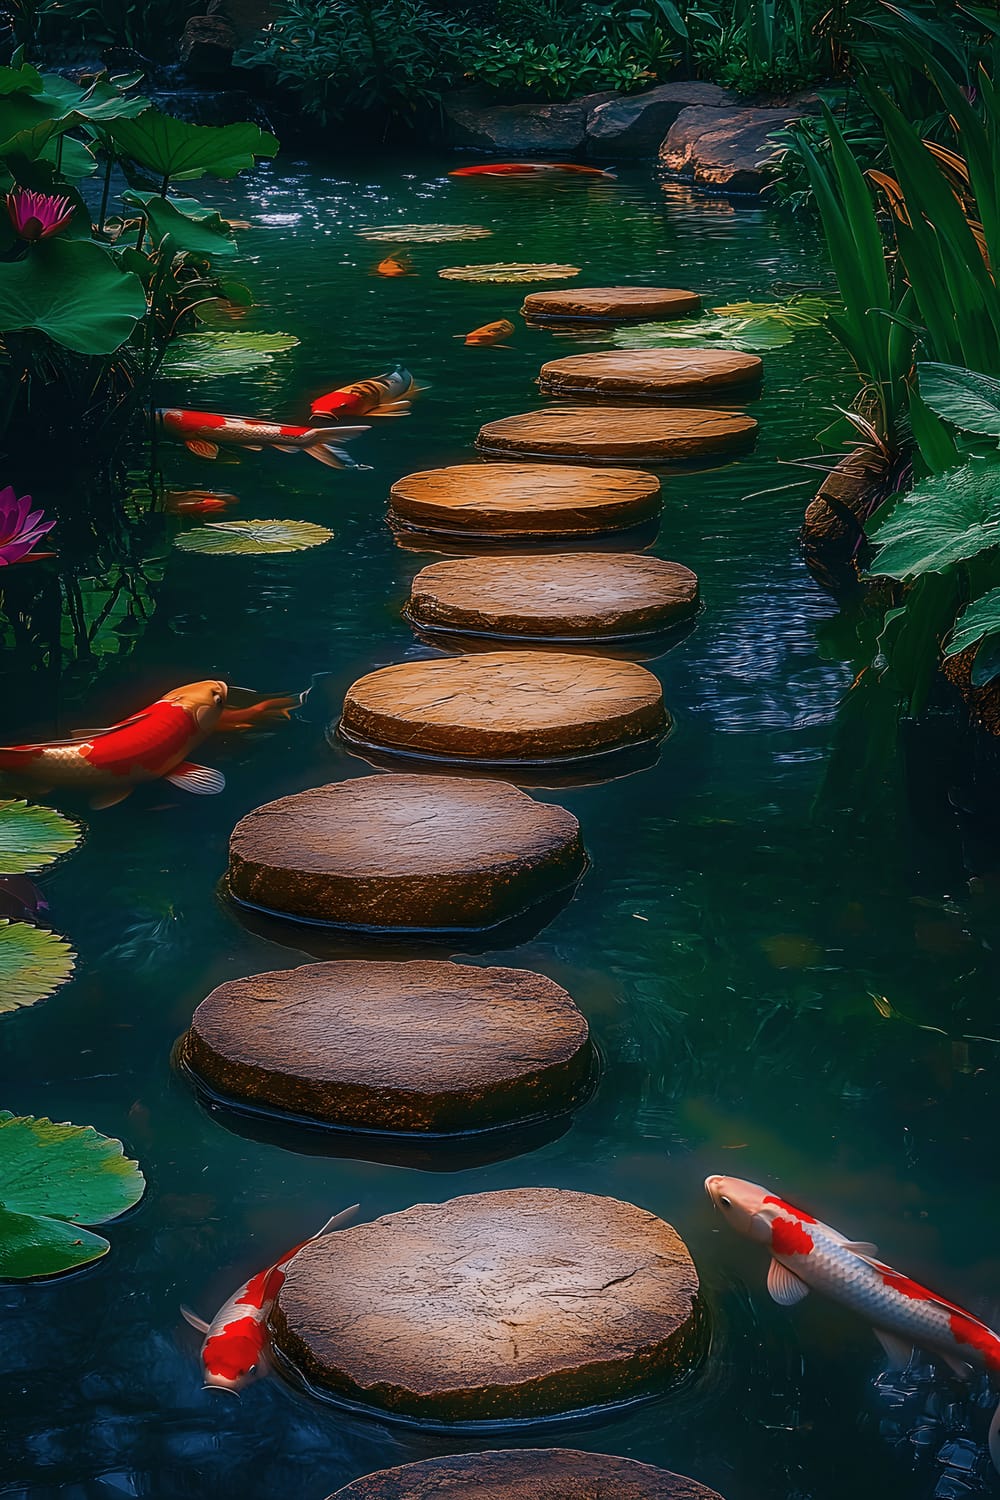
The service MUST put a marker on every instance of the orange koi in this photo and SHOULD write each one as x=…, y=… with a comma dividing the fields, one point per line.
x=394, y=265
x=386, y=395
x=528, y=168
x=236, y=1341
x=203, y=431
x=197, y=502
x=150, y=745
x=490, y=334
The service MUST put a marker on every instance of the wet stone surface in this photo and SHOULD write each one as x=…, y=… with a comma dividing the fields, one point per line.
x=610, y=304
x=527, y=1474
x=402, y=1047
x=404, y=853
x=496, y=1306
x=664, y=374
x=616, y=434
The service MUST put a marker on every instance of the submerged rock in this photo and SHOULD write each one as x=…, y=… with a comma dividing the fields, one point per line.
x=526, y=1474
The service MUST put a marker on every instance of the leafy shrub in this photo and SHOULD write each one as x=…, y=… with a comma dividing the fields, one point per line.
x=151, y=29
x=550, y=71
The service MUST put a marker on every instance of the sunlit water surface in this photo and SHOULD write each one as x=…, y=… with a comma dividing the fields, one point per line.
x=724, y=946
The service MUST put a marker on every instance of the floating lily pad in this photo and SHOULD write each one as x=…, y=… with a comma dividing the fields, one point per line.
x=424, y=234
x=33, y=964
x=746, y=335
x=53, y=1178
x=198, y=355
x=514, y=271
x=253, y=538
x=32, y=837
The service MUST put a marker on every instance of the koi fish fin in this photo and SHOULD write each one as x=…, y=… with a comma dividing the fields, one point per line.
x=111, y=798
x=897, y=1351
x=343, y=1217
x=399, y=408
x=333, y=458
x=202, y=448
x=194, y=1320
x=863, y=1248
x=283, y=447
x=958, y=1367
x=254, y=447
x=784, y=1286
x=201, y=781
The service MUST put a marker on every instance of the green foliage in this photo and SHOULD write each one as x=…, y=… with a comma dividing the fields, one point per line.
x=202, y=231
x=151, y=29
x=750, y=327
x=177, y=151
x=946, y=519
x=75, y=293
x=53, y=1179
x=196, y=356
x=253, y=538
x=967, y=399
x=979, y=619
x=757, y=46
x=33, y=964
x=32, y=836
x=548, y=70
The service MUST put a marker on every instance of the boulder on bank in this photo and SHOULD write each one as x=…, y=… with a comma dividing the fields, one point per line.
x=635, y=124
x=723, y=148
x=207, y=46
x=526, y=1474
x=543, y=128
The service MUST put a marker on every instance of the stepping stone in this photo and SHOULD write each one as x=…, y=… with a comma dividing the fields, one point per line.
x=615, y=434
x=505, y=708
x=573, y=596
x=492, y=1307
x=610, y=304
x=526, y=1474
x=524, y=501
x=401, y=1047
x=404, y=854
x=660, y=374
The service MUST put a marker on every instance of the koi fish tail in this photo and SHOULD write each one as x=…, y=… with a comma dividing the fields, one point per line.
x=993, y=1439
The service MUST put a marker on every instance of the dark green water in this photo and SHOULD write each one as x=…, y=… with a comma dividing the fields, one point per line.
x=724, y=945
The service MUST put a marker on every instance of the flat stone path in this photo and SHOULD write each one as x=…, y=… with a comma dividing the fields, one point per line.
x=402, y=1047
x=620, y=434
x=610, y=304
x=522, y=501
x=496, y=1306
x=404, y=854
x=583, y=596
x=526, y=1474
x=663, y=374
x=505, y=707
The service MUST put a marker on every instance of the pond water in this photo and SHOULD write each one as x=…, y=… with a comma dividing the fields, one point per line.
x=725, y=945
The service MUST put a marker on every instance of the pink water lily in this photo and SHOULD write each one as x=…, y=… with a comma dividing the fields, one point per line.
x=35, y=216
x=21, y=528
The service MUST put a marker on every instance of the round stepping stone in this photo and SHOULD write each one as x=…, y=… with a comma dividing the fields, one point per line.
x=496, y=1306
x=526, y=1474
x=524, y=501
x=610, y=304
x=664, y=374
x=613, y=434
x=581, y=596
x=405, y=854
x=505, y=708
x=402, y=1047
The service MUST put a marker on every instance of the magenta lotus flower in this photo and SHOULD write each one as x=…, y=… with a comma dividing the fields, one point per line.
x=35, y=216
x=21, y=528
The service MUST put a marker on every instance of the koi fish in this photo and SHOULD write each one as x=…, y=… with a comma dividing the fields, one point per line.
x=490, y=333
x=386, y=395
x=527, y=168
x=394, y=265
x=203, y=432
x=150, y=745
x=235, y=1349
x=807, y=1254
x=197, y=502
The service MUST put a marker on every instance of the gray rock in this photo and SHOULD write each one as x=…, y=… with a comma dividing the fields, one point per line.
x=723, y=148
x=207, y=46
x=544, y=128
x=635, y=126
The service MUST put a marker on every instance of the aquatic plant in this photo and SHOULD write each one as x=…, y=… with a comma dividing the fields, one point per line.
x=509, y=272
x=750, y=327
x=21, y=528
x=253, y=538
x=37, y=216
x=33, y=964
x=196, y=356
x=32, y=836
x=54, y=1179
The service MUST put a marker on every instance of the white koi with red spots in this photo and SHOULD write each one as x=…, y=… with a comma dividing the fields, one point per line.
x=202, y=432
x=236, y=1341
x=807, y=1254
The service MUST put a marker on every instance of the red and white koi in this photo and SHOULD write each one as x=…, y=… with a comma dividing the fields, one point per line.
x=807, y=1254
x=203, y=432
x=236, y=1341
x=151, y=744
x=529, y=169
x=386, y=395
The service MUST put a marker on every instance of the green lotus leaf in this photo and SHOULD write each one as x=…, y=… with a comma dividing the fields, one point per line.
x=424, y=234
x=73, y=291
x=191, y=226
x=98, y=103
x=53, y=1179
x=174, y=149
x=33, y=964
x=22, y=80
x=510, y=271
x=199, y=355
x=253, y=538
x=32, y=836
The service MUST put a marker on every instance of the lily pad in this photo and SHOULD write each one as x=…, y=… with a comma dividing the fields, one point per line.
x=424, y=234
x=33, y=964
x=253, y=538
x=199, y=355
x=746, y=335
x=512, y=271
x=31, y=837
x=54, y=1178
